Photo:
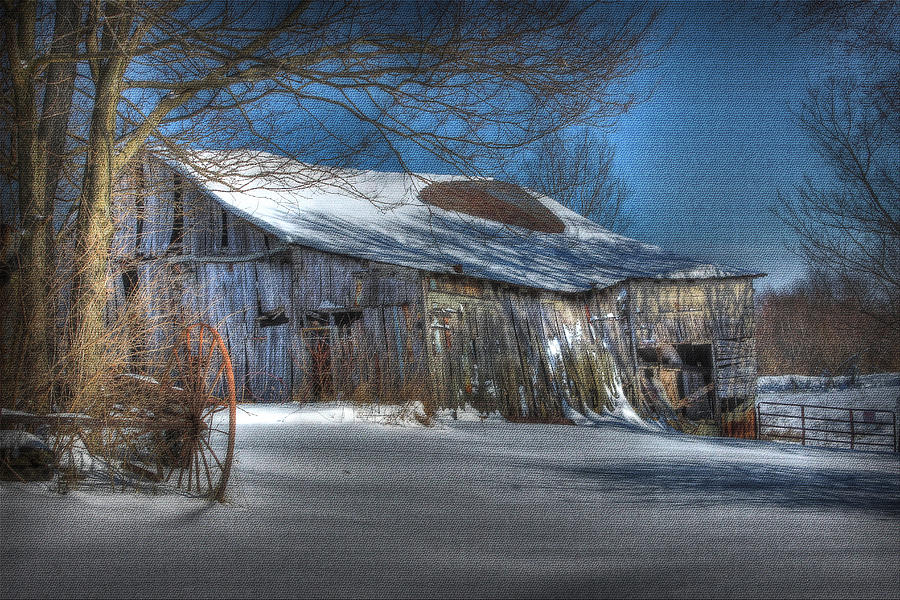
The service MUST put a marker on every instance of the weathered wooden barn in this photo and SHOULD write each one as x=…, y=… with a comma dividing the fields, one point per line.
x=330, y=282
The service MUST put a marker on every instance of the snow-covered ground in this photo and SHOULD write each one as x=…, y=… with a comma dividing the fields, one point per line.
x=330, y=500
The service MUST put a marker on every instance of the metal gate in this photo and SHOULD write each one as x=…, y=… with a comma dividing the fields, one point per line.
x=813, y=424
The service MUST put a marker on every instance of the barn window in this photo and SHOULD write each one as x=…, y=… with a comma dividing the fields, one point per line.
x=177, y=210
x=339, y=322
x=272, y=318
x=343, y=321
x=130, y=282
x=495, y=200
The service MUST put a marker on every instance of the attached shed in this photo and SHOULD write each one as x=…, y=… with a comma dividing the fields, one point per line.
x=331, y=282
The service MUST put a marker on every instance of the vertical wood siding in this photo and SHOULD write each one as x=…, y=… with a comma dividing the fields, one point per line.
x=216, y=275
x=518, y=351
x=338, y=325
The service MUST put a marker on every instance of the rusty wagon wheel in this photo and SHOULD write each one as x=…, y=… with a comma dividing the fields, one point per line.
x=198, y=453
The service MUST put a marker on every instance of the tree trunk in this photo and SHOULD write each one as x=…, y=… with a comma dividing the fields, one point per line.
x=35, y=273
x=59, y=90
x=31, y=365
x=40, y=133
x=93, y=225
x=94, y=231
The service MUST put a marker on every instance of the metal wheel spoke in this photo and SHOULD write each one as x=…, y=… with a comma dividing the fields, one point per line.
x=209, y=355
x=206, y=467
x=201, y=364
x=218, y=375
x=213, y=453
x=197, y=468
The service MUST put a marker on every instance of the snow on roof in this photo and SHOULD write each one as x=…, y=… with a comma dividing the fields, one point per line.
x=381, y=217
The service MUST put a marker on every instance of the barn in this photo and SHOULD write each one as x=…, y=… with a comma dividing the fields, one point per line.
x=337, y=283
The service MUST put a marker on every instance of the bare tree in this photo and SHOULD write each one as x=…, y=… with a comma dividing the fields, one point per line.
x=466, y=82
x=580, y=174
x=848, y=222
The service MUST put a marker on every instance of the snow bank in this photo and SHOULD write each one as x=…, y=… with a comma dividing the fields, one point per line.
x=575, y=416
x=331, y=413
x=466, y=414
x=791, y=383
x=621, y=412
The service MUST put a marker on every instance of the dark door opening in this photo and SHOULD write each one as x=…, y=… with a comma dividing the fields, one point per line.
x=318, y=372
x=685, y=373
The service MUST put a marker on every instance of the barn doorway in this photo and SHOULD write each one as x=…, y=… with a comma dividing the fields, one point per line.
x=685, y=373
x=328, y=347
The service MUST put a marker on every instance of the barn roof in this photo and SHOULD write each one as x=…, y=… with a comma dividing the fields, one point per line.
x=383, y=217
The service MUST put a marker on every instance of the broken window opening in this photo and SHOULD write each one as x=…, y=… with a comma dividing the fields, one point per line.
x=685, y=373
x=177, y=211
x=272, y=318
x=130, y=281
x=343, y=322
x=340, y=321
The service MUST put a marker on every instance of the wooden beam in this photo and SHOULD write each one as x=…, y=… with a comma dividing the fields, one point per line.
x=228, y=258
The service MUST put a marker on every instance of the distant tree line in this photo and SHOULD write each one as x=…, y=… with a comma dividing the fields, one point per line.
x=826, y=325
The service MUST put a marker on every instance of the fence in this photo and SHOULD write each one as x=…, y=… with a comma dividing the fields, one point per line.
x=865, y=429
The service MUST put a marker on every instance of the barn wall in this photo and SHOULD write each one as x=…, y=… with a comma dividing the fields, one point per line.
x=519, y=351
x=650, y=322
x=303, y=323
x=297, y=322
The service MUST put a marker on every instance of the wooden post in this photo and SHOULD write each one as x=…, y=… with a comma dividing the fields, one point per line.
x=852, y=429
x=894, y=429
x=803, y=425
x=756, y=425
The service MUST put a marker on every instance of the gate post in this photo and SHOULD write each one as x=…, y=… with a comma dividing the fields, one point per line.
x=894, y=426
x=802, y=425
x=756, y=422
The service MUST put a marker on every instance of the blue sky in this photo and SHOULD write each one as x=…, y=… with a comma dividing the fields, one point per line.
x=705, y=157
x=707, y=154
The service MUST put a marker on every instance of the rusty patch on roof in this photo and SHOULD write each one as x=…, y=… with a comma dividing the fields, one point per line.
x=495, y=200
